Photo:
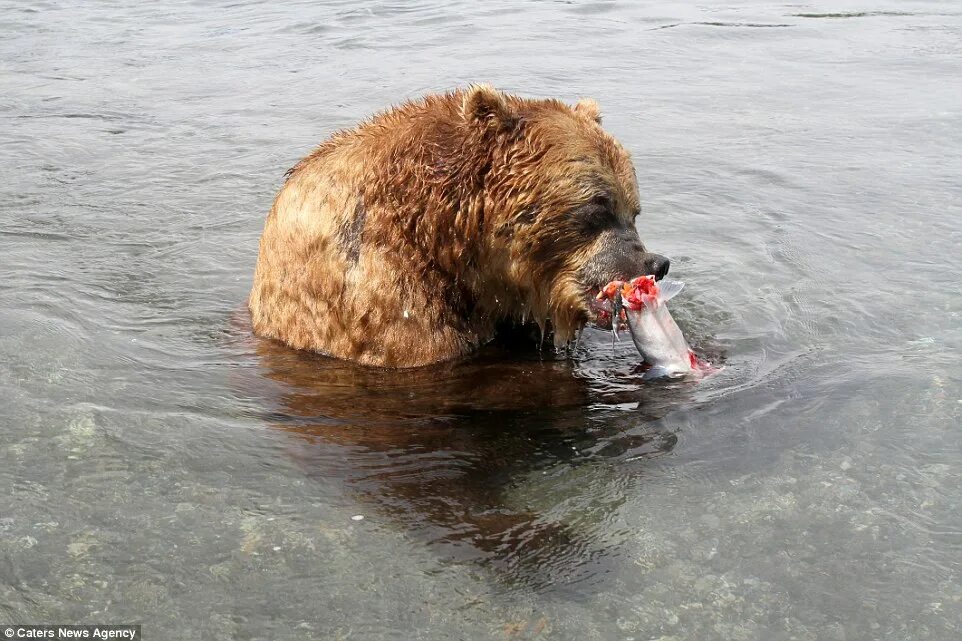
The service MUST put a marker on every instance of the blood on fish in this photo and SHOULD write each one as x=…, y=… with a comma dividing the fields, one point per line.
x=646, y=284
x=637, y=293
x=608, y=291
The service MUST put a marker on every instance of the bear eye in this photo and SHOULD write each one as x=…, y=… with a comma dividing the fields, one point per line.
x=597, y=214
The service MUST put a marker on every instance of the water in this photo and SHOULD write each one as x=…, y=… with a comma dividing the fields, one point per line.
x=800, y=164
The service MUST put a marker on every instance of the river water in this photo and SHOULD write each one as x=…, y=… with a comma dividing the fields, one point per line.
x=800, y=164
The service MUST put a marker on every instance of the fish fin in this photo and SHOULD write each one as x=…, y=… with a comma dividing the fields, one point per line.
x=655, y=371
x=669, y=289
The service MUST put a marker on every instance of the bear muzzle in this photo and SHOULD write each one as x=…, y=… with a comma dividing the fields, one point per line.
x=623, y=263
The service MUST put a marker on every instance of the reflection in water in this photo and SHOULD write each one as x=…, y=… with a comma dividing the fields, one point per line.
x=437, y=448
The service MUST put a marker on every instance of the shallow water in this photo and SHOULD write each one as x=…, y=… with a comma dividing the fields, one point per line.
x=800, y=163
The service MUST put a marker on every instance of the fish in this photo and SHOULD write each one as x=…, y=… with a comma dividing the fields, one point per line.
x=654, y=332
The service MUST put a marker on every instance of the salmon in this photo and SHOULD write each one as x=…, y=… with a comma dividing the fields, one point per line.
x=642, y=304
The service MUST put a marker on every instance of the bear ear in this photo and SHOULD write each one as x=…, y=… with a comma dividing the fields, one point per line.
x=486, y=105
x=588, y=107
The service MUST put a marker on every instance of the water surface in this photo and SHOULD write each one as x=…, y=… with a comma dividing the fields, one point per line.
x=800, y=164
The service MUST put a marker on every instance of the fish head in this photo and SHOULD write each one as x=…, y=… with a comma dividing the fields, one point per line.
x=637, y=293
x=641, y=292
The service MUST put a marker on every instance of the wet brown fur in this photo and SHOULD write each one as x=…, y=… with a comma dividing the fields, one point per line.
x=405, y=240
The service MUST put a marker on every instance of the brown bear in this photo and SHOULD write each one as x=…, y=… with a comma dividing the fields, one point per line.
x=412, y=237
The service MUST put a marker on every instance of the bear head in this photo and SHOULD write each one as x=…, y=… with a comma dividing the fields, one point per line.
x=560, y=203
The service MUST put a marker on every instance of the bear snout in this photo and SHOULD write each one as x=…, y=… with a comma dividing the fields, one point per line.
x=622, y=261
x=656, y=265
